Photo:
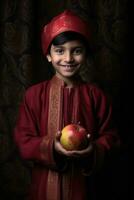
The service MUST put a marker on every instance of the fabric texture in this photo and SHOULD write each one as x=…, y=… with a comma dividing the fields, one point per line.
x=53, y=176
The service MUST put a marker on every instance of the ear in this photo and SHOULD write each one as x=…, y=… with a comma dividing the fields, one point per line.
x=48, y=57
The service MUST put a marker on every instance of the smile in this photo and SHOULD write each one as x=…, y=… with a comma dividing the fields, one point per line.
x=68, y=66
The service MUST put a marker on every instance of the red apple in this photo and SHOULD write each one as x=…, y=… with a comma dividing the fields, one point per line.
x=73, y=137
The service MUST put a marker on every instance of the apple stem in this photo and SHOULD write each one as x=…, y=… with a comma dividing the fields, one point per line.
x=77, y=128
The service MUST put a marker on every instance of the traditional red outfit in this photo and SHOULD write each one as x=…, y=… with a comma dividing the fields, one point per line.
x=41, y=116
x=49, y=106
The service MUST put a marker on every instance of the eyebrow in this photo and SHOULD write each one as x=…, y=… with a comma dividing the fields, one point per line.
x=62, y=46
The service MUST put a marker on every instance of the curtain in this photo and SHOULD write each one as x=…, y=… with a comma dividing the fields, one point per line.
x=22, y=64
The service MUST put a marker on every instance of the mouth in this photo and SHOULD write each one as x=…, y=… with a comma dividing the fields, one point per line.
x=68, y=66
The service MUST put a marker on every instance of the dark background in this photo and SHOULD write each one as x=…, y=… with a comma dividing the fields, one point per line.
x=22, y=64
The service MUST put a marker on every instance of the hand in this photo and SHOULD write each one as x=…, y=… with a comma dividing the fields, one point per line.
x=73, y=153
x=84, y=152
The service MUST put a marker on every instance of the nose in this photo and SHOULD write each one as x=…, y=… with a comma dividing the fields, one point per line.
x=69, y=57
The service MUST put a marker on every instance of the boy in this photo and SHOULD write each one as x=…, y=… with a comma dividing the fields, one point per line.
x=59, y=174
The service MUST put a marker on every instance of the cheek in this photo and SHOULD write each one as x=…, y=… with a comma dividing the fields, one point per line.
x=81, y=59
x=56, y=60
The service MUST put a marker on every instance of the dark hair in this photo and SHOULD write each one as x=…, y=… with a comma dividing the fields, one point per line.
x=68, y=36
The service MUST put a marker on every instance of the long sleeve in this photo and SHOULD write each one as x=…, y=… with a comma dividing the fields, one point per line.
x=30, y=135
x=107, y=135
x=106, y=140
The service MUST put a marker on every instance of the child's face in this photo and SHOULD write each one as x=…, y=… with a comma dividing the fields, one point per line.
x=67, y=58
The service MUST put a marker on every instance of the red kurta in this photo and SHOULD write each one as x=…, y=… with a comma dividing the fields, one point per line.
x=35, y=144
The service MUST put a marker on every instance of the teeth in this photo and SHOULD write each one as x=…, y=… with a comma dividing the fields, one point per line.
x=69, y=66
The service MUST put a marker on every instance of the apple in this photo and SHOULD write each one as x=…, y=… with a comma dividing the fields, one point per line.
x=73, y=137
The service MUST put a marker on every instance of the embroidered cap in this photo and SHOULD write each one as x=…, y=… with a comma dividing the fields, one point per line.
x=66, y=21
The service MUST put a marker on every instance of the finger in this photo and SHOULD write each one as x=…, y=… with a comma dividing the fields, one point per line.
x=58, y=134
x=88, y=136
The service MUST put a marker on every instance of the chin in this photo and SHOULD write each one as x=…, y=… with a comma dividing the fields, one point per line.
x=70, y=74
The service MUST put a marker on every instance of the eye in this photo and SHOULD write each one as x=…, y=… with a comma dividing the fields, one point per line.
x=78, y=51
x=59, y=51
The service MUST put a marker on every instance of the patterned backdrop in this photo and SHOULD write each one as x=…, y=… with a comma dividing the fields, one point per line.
x=22, y=64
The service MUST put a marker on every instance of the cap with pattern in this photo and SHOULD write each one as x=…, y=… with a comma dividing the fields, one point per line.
x=66, y=21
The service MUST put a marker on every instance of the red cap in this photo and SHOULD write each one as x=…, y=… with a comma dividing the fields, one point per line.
x=66, y=21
